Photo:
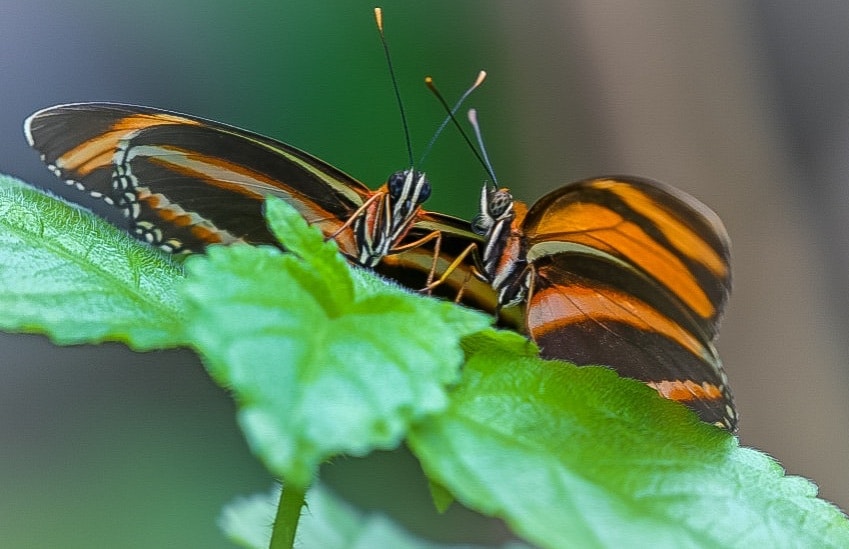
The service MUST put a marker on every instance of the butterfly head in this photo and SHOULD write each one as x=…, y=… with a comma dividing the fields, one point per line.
x=502, y=258
x=408, y=187
x=496, y=208
x=407, y=190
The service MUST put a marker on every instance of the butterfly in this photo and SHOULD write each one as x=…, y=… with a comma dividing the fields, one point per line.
x=184, y=183
x=617, y=271
x=206, y=181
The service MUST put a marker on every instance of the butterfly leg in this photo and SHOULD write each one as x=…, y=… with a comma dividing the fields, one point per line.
x=450, y=270
x=435, y=235
x=356, y=215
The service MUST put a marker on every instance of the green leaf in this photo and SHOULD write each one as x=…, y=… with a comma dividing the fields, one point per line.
x=316, y=375
x=578, y=457
x=329, y=523
x=247, y=520
x=68, y=274
x=442, y=498
x=9, y=182
x=323, y=258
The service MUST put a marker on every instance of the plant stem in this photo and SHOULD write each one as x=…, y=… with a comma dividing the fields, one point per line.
x=288, y=514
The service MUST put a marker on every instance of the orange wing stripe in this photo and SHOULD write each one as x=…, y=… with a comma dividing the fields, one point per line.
x=558, y=307
x=601, y=228
x=680, y=235
x=686, y=391
x=98, y=151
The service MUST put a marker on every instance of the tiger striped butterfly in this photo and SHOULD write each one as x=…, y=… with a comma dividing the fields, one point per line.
x=622, y=272
x=185, y=182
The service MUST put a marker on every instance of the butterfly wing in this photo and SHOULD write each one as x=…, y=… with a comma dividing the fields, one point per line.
x=633, y=274
x=185, y=182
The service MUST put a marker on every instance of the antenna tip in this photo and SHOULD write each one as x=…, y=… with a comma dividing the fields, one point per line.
x=481, y=78
x=473, y=116
x=378, y=17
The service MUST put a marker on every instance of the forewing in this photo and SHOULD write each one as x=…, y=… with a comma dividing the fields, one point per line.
x=676, y=244
x=186, y=182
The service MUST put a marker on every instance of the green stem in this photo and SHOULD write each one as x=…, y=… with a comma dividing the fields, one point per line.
x=288, y=514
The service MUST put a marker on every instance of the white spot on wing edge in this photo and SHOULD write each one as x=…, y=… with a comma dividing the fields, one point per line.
x=28, y=128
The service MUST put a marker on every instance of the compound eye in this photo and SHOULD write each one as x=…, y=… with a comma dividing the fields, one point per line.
x=500, y=203
x=396, y=184
x=418, y=192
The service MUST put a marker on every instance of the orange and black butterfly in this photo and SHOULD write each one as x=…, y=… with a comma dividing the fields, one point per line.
x=184, y=183
x=617, y=271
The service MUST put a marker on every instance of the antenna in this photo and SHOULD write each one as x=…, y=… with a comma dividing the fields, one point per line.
x=483, y=159
x=473, y=120
x=378, y=18
x=451, y=112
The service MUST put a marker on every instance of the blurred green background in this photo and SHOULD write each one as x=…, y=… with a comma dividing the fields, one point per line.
x=740, y=103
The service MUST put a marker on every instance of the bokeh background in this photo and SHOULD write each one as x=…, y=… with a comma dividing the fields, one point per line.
x=743, y=104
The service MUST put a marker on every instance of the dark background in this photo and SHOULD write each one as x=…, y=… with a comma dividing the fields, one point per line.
x=743, y=104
